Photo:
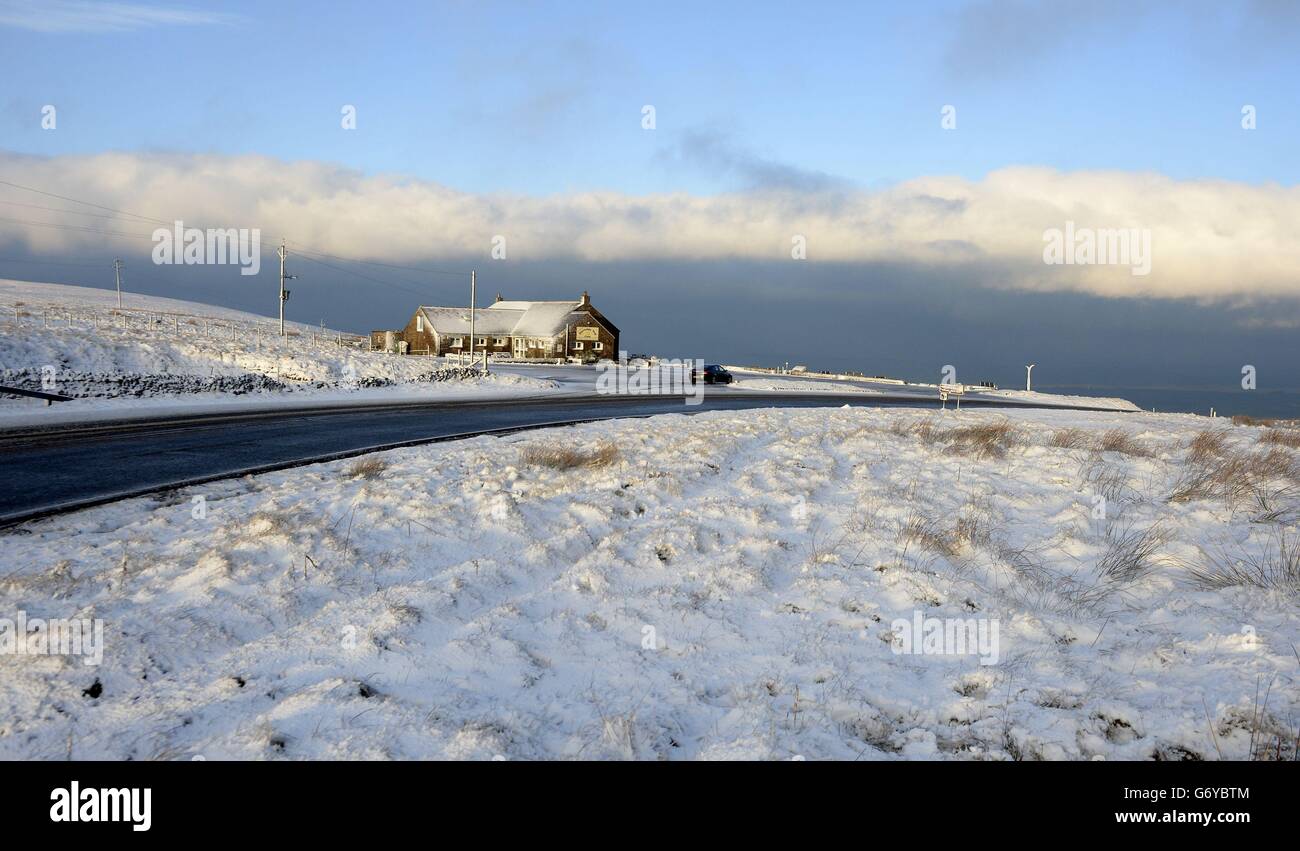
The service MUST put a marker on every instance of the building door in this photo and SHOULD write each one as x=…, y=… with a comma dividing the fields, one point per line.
x=521, y=350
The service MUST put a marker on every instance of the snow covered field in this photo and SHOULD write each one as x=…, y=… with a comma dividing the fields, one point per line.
x=786, y=385
x=167, y=350
x=812, y=383
x=727, y=585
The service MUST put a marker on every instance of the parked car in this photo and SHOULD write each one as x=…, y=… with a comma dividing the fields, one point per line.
x=712, y=374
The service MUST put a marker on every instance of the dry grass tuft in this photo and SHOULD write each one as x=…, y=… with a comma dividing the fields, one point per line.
x=566, y=458
x=923, y=430
x=990, y=440
x=1276, y=463
x=1275, y=568
x=983, y=441
x=1070, y=438
x=973, y=531
x=1276, y=505
x=1111, y=482
x=1118, y=440
x=930, y=536
x=926, y=432
x=1289, y=437
x=1226, y=478
x=1130, y=553
x=1129, y=556
x=1235, y=477
x=368, y=468
x=1206, y=446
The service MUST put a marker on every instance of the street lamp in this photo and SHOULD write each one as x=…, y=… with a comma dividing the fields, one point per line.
x=1029, y=370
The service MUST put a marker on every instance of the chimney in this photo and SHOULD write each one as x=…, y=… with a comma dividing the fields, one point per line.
x=585, y=301
x=499, y=298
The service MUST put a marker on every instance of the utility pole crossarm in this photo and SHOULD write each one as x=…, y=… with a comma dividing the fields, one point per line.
x=283, y=252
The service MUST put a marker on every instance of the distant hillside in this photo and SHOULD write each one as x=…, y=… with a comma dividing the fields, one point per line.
x=159, y=346
x=33, y=293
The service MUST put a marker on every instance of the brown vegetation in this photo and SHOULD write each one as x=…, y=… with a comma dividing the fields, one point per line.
x=1118, y=440
x=369, y=467
x=567, y=458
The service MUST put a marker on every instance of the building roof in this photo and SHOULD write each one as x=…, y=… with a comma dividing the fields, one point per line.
x=455, y=320
x=504, y=318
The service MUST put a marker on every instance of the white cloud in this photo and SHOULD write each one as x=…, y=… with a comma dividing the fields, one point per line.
x=69, y=16
x=1210, y=239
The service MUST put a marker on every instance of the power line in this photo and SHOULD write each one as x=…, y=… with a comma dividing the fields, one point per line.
x=56, y=209
x=313, y=255
x=58, y=226
x=425, y=270
x=360, y=275
x=50, y=263
x=79, y=201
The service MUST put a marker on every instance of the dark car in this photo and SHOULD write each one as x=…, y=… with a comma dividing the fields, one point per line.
x=713, y=374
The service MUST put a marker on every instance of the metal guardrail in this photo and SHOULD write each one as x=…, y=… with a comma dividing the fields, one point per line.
x=50, y=398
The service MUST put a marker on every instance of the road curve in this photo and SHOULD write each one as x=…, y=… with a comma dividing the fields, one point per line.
x=62, y=468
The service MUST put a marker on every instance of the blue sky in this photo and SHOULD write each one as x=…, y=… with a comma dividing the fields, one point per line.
x=547, y=97
x=773, y=121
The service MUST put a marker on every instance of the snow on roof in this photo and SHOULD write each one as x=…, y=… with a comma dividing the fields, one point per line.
x=524, y=305
x=545, y=318
x=455, y=320
x=504, y=318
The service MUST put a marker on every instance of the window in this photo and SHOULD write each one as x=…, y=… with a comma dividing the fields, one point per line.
x=419, y=323
x=600, y=347
x=482, y=341
x=498, y=341
x=577, y=347
x=457, y=342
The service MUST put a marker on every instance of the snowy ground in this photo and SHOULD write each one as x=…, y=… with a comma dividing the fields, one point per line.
x=719, y=586
x=788, y=385
x=753, y=380
x=169, y=350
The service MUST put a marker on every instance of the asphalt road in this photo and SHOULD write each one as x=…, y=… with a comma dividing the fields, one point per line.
x=51, y=470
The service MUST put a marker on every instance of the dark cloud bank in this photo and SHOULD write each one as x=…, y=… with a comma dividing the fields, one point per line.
x=900, y=321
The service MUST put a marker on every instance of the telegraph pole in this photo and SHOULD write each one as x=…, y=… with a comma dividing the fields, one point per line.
x=473, y=301
x=284, y=294
x=117, y=276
